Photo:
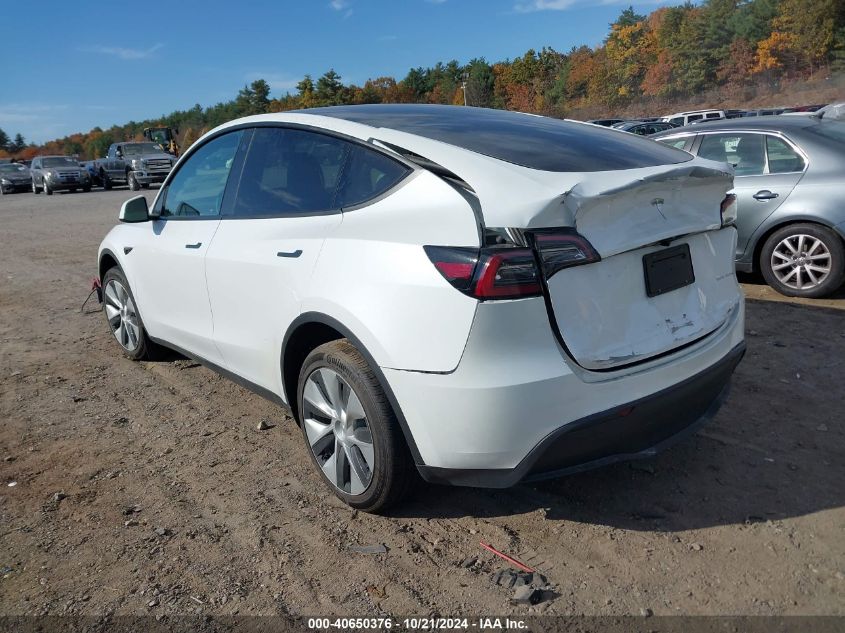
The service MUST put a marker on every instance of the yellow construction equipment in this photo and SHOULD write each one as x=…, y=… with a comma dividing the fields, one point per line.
x=165, y=137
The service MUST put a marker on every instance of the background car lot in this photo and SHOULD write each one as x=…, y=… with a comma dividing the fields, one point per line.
x=744, y=518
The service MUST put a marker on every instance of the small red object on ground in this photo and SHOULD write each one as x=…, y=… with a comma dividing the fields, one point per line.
x=512, y=561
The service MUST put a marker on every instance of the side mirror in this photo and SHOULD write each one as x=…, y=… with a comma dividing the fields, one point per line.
x=118, y=153
x=135, y=210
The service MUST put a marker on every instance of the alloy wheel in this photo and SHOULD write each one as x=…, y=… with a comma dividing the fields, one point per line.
x=122, y=316
x=801, y=261
x=338, y=431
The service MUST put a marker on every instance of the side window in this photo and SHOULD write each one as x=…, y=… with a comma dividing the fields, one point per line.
x=677, y=143
x=782, y=158
x=744, y=151
x=367, y=175
x=678, y=120
x=197, y=189
x=694, y=117
x=290, y=172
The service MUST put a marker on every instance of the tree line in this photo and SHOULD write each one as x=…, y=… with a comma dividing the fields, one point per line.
x=673, y=53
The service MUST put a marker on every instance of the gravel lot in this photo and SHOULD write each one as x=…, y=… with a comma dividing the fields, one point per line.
x=146, y=488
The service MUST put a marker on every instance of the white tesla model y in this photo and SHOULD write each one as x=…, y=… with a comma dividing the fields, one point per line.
x=481, y=296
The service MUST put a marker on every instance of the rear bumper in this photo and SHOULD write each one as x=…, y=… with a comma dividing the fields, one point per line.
x=515, y=391
x=638, y=429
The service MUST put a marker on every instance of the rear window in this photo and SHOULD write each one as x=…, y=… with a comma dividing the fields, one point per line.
x=830, y=130
x=530, y=141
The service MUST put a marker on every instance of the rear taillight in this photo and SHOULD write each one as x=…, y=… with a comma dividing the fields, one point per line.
x=559, y=249
x=728, y=209
x=510, y=272
x=507, y=273
x=488, y=273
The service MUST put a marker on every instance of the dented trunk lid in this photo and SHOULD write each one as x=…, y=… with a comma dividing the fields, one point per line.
x=602, y=311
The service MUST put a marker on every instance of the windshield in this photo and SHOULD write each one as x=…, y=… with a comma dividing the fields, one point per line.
x=59, y=161
x=527, y=140
x=136, y=149
x=11, y=168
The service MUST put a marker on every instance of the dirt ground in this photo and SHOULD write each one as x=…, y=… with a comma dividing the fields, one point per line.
x=146, y=488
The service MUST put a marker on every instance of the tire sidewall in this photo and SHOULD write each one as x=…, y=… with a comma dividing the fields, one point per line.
x=323, y=357
x=142, y=350
x=831, y=241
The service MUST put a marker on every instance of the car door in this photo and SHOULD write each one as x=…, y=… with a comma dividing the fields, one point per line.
x=759, y=189
x=171, y=289
x=288, y=201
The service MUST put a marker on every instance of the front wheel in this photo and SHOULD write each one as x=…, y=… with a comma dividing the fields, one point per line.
x=34, y=187
x=803, y=260
x=47, y=189
x=123, y=318
x=104, y=177
x=350, y=428
x=132, y=181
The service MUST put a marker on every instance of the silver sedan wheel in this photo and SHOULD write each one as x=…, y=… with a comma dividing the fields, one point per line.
x=122, y=316
x=338, y=432
x=801, y=261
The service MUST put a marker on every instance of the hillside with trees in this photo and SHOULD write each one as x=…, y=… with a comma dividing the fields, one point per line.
x=725, y=53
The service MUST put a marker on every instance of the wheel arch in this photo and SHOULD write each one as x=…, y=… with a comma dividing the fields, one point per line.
x=312, y=329
x=776, y=226
x=107, y=260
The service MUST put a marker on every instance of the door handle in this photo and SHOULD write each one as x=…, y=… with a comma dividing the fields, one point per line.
x=197, y=245
x=295, y=253
x=765, y=194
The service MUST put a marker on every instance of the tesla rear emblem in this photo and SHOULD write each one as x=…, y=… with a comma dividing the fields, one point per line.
x=656, y=203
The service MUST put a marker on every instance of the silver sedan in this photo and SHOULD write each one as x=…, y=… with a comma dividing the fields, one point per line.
x=790, y=187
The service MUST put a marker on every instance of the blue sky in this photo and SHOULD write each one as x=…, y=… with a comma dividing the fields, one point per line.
x=71, y=66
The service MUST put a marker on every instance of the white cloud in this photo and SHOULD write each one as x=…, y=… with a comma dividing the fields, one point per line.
x=341, y=5
x=530, y=6
x=124, y=53
x=543, y=5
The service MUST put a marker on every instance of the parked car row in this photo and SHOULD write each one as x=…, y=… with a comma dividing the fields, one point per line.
x=680, y=119
x=135, y=164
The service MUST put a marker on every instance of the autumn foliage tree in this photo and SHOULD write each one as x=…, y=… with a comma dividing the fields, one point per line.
x=675, y=52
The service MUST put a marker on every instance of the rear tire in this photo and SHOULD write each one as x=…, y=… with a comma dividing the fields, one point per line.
x=803, y=260
x=123, y=318
x=104, y=177
x=34, y=187
x=350, y=429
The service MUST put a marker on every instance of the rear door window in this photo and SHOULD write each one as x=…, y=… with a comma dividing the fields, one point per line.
x=744, y=151
x=782, y=158
x=367, y=175
x=290, y=172
x=298, y=172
